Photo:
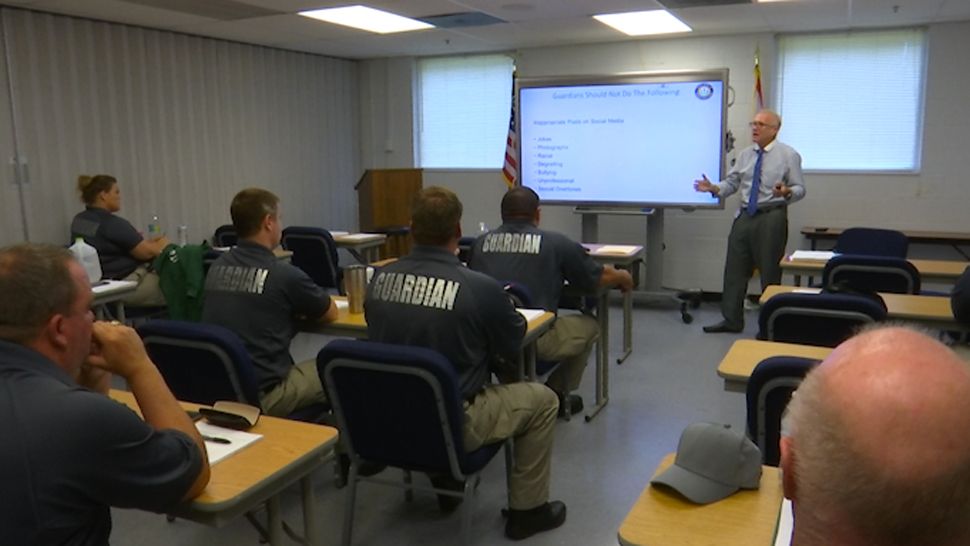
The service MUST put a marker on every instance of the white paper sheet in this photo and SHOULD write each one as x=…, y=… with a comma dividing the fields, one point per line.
x=219, y=451
x=359, y=236
x=786, y=522
x=615, y=250
x=820, y=255
x=530, y=314
x=108, y=286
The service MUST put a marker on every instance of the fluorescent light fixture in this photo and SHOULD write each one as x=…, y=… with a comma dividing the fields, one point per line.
x=641, y=23
x=364, y=18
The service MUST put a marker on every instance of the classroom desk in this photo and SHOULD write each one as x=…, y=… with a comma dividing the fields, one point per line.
x=943, y=271
x=365, y=247
x=746, y=518
x=355, y=326
x=930, y=311
x=289, y=451
x=626, y=256
x=736, y=366
x=952, y=238
x=111, y=292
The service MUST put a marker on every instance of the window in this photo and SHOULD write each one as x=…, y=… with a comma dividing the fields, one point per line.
x=853, y=101
x=463, y=111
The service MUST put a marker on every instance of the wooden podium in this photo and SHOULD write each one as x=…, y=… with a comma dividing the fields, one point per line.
x=384, y=206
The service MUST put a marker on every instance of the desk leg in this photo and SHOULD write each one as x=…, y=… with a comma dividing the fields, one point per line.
x=602, y=356
x=311, y=528
x=530, y=362
x=121, y=311
x=627, y=326
x=527, y=363
x=274, y=521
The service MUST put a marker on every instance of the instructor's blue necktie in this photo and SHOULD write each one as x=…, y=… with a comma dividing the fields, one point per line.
x=755, y=185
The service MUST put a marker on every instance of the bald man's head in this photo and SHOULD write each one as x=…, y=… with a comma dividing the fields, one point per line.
x=520, y=204
x=872, y=445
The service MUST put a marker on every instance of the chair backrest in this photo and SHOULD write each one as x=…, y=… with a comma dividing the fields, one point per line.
x=315, y=252
x=225, y=235
x=769, y=389
x=816, y=319
x=960, y=298
x=201, y=363
x=520, y=293
x=872, y=242
x=465, y=248
x=397, y=405
x=861, y=273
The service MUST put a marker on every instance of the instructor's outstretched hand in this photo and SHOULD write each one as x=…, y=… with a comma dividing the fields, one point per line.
x=705, y=185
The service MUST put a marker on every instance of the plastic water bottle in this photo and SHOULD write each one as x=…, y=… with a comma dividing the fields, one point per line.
x=482, y=228
x=154, y=228
x=87, y=256
x=183, y=235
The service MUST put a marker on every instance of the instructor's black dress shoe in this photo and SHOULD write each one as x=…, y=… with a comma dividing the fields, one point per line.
x=525, y=523
x=720, y=327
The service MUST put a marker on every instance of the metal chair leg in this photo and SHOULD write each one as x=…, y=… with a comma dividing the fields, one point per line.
x=349, y=505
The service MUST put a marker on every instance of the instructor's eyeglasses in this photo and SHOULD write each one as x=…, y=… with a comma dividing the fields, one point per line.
x=760, y=125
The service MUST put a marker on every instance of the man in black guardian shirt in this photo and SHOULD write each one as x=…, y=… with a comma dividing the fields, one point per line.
x=541, y=260
x=251, y=292
x=429, y=299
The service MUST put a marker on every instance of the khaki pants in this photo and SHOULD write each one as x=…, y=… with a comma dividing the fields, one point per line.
x=148, y=293
x=526, y=412
x=570, y=341
x=300, y=389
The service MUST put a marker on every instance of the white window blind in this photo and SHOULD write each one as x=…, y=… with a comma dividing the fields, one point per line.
x=464, y=106
x=853, y=101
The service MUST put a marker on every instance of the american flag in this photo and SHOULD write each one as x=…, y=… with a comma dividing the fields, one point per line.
x=510, y=169
x=759, y=97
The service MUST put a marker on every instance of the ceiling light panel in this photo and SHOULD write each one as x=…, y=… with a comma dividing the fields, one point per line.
x=642, y=23
x=369, y=19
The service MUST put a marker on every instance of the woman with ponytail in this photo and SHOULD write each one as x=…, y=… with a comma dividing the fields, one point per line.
x=123, y=252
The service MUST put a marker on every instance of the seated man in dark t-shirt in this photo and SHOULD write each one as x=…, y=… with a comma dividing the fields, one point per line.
x=542, y=260
x=68, y=452
x=254, y=294
x=429, y=299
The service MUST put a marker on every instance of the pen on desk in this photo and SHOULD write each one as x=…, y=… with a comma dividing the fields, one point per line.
x=216, y=439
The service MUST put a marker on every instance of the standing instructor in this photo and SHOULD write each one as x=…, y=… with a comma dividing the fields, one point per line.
x=769, y=175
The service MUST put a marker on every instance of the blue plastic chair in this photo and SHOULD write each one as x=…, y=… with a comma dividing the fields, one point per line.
x=465, y=245
x=225, y=235
x=769, y=390
x=400, y=406
x=817, y=319
x=862, y=273
x=315, y=252
x=204, y=363
x=872, y=242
